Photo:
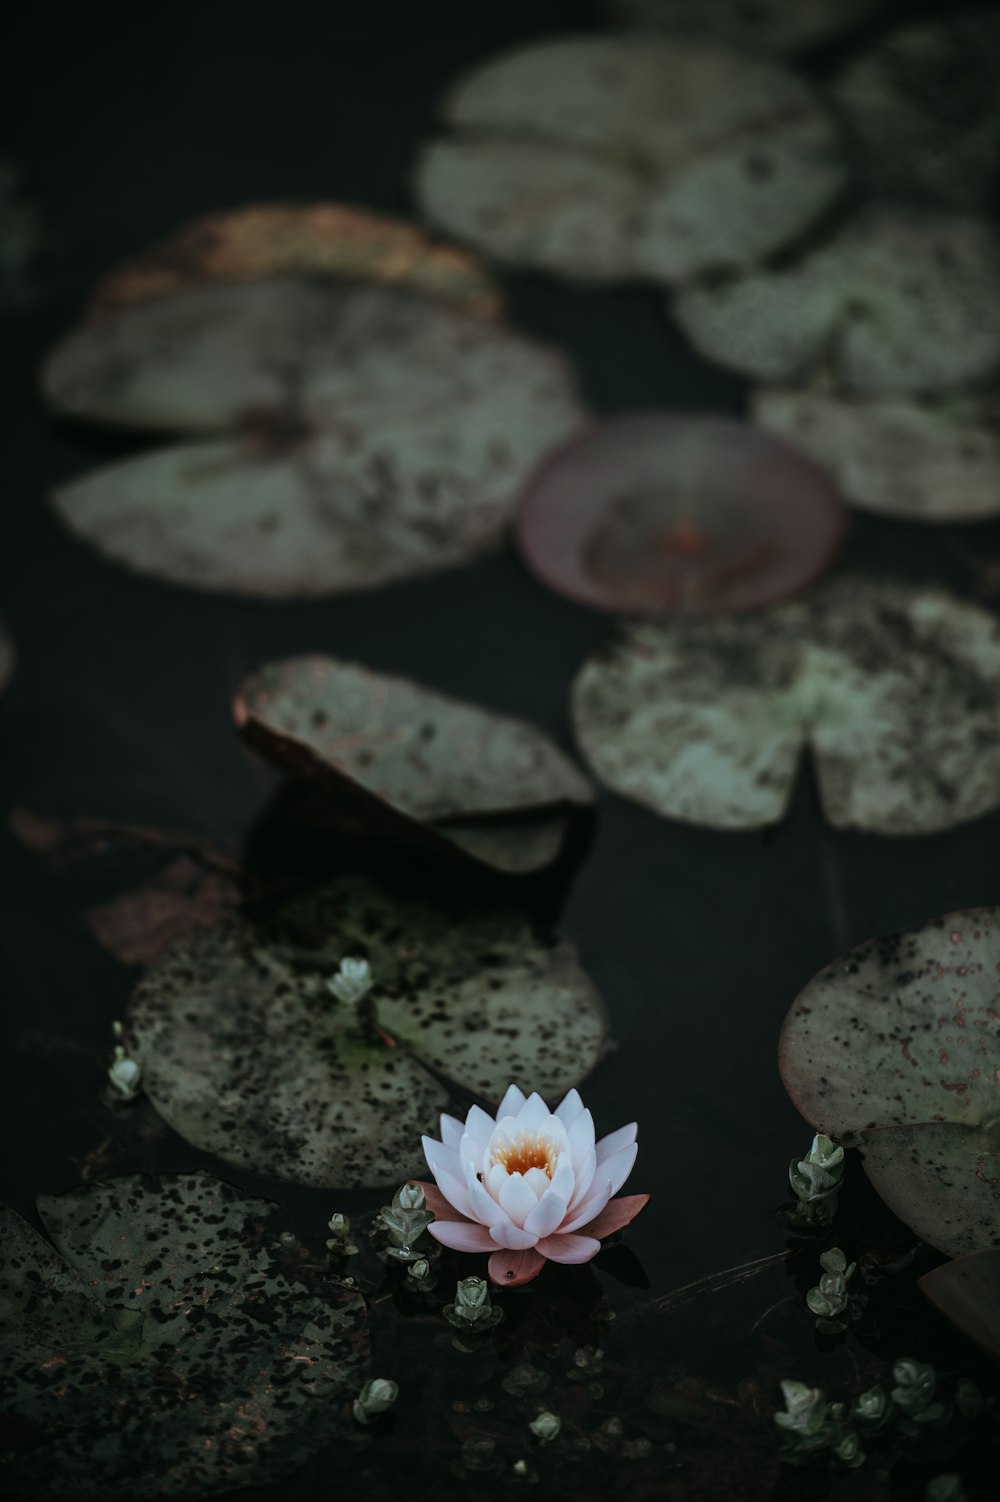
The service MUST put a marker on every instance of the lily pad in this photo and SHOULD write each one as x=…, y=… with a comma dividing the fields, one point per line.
x=304, y=240
x=348, y=435
x=921, y=461
x=624, y=158
x=430, y=758
x=158, y=1350
x=247, y=1053
x=967, y=1292
x=760, y=26
x=893, y=689
x=657, y=514
x=896, y=1048
x=893, y=304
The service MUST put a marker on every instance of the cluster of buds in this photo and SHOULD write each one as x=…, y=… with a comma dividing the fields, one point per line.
x=830, y=1300
x=815, y=1181
x=374, y=1398
x=406, y=1220
x=339, y=1245
x=812, y=1427
x=124, y=1073
x=473, y=1309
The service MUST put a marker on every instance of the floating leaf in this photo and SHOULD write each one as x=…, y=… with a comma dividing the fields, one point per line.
x=611, y=158
x=656, y=514
x=167, y=1355
x=894, y=690
x=246, y=1052
x=967, y=1292
x=892, y=304
x=763, y=26
x=305, y=240
x=348, y=435
x=917, y=460
x=896, y=1048
x=429, y=757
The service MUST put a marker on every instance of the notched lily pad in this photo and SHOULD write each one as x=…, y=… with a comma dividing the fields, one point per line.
x=967, y=1292
x=246, y=1052
x=892, y=304
x=305, y=240
x=924, y=461
x=895, y=1048
x=762, y=26
x=431, y=759
x=657, y=514
x=348, y=435
x=894, y=690
x=624, y=158
x=158, y=1350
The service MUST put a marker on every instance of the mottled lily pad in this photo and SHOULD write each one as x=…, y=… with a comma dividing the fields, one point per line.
x=158, y=1350
x=967, y=1292
x=892, y=304
x=656, y=514
x=348, y=435
x=623, y=158
x=896, y=1048
x=894, y=690
x=758, y=26
x=924, y=461
x=430, y=758
x=247, y=1053
x=922, y=103
x=304, y=240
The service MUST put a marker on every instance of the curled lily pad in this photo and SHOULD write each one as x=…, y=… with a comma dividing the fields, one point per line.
x=928, y=461
x=430, y=758
x=656, y=514
x=613, y=158
x=247, y=1053
x=967, y=1292
x=348, y=435
x=894, y=690
x=762, y=26
x=313, y=240
x=892, y=304
x=896, y=1048
x=158, y=1350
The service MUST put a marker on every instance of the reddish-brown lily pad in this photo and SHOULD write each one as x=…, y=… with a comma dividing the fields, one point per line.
x=895, y=1048
x=894, y=690
x=760, y=26
x=348, y=435
x=656, y=514
x=622, y=158
x=967, y=1292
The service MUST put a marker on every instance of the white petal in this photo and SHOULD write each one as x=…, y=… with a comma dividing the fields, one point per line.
x=584, y=1178
x=548, y=1215
x=512, y=1237
x=512, y=1102
x=451, y=1131
x=461, y=1236
x=586, y=1209
x=454, y=1191
x=569, y=1108
x=563, y=1248
x=538, y=1180
x=494, y=1179
x=517, y=1198
x=615, y=1141
x=581, y=1138
x=618, y=1167
x=479, y=1127
x=439, y=1156
x=564, y=1179
x=534, y=1113
x=484, y=1207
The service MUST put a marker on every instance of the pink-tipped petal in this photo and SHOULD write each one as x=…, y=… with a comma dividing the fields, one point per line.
x=569, y=1108
x=567, y=1248
x=615, y=1141
x=583, y=1179
x=616, y=1168
x=512, y=1102
x=514, y=1269
x=511, y=1236
x=462, y=1235
x=436, y=1202
x=547, y=1216
x=616, y=1215
x=591, y=1206
x=484, y=1207
x=451, y=1131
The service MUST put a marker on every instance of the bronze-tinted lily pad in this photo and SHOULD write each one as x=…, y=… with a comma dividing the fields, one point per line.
x=924, y=461
x=247, y=1053
x=656, y=514
x=967, y=1292
x=158, y=1350
x=896, y=1048
x=624, y=158
x=304, y=240
x=761, y=26
x=894, y=690
x=348, y=435
x=892, y=304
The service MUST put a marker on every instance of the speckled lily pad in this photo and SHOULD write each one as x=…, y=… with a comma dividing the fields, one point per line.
x=247, y=1053
x=758, y=26
x=624, y=158
x=967, y=1292
x=430, y=758
x=306, y=240
x=158, y=1350
x=656, y=514
x=894, y=690
x=896, y=1048
x=922, y=461
x=892, y=304
x=347, y=435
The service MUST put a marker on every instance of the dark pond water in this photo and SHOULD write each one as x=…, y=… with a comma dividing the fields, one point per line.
x=128, y=123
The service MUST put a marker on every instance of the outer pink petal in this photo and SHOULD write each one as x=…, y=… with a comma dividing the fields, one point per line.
x=588, y=1208
x=616, y=1214
x=514, y=1269
x=512, y=1237
x=615, y=1141
x=461, y=1235
x=451, y=1131
x=569, y=1248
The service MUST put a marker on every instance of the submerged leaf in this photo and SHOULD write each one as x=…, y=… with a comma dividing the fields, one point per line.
x=245, y=1052
x=612, y=158
x=967, y=1292
x=763, y=26
x=167, y=1355
x=657, y=514
x=895, y=691
x=896, y=1048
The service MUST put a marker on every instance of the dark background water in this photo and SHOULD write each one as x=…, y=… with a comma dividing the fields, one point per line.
x=128, y=120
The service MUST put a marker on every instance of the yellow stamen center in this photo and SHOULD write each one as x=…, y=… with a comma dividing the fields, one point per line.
x=525, y=1151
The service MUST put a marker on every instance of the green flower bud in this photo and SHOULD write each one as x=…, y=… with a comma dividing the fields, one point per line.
x=374, y=1398
x=545, y=1427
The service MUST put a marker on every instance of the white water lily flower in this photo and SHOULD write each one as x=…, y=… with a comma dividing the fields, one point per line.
x=529, y=1185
